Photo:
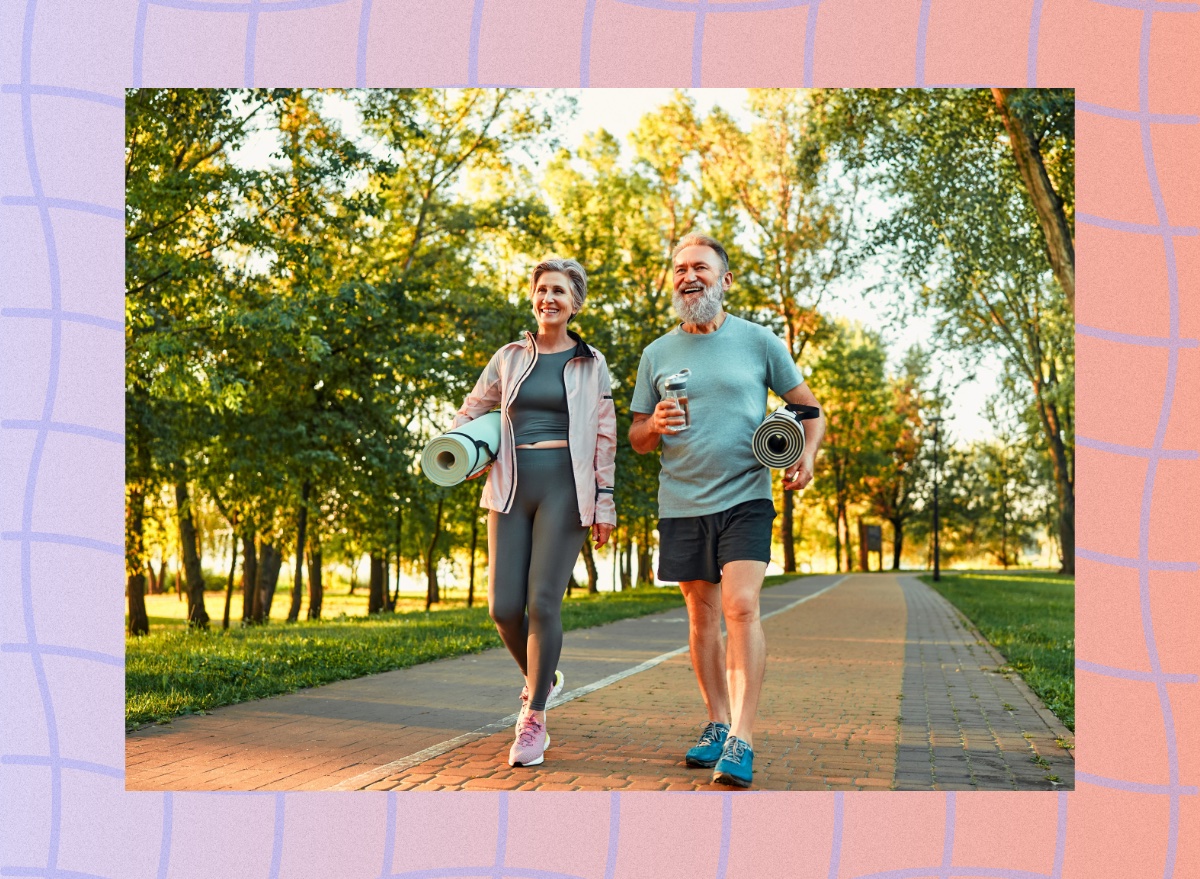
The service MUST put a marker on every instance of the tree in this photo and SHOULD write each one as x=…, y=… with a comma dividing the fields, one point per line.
x=892, y=488
x=180, y=195
x=965, y=239
x=849, y=381
x=1041, y=122
x=795, y=222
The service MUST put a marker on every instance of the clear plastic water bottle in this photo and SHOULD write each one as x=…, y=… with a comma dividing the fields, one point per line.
x=675, y=388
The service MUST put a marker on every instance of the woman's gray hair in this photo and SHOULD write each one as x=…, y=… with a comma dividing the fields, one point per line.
x=575, y=274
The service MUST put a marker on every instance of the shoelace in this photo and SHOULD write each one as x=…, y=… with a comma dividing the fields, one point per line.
x=735, y=750
x=530, y=730
x=710, y=736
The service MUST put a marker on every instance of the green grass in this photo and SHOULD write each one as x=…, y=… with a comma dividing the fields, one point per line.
x=1030, y=619
x=175, y=671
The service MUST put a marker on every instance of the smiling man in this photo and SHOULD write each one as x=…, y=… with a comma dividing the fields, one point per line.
x=715, y=502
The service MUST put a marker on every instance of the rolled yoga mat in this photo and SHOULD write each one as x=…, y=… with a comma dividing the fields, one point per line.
x=461, y=453
x=779, y=441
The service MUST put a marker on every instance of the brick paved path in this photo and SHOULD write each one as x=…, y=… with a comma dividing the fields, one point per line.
x=967, y=725
x=841, y=652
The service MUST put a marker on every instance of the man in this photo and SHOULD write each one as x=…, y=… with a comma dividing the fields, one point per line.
x=715, y=502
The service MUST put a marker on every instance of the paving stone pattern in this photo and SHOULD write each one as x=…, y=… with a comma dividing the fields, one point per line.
x=967, y=725
x=874, y=682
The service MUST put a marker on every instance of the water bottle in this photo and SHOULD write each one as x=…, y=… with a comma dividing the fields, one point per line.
x=675, y=388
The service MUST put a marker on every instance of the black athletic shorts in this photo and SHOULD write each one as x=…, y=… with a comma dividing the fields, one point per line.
x=697, y=547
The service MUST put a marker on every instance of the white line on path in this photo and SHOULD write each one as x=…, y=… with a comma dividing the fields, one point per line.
x=358, y=782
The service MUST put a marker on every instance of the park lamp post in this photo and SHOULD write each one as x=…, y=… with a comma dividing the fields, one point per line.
x=937, y=566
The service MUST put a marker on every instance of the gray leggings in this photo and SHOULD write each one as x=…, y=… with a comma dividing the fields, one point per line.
x=533, y=549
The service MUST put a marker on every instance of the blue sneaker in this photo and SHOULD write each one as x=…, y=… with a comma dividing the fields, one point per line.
x=708, y=749
x=736, y=765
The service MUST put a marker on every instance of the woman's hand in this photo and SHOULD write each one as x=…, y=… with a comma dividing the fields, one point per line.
x=600, y=533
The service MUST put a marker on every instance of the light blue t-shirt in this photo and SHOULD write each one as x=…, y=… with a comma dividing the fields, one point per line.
x=711, y=467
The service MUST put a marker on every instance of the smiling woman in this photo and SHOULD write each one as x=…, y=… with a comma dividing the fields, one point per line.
x=552, y=480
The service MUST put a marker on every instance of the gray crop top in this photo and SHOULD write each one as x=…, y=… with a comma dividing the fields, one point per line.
x=539, y=412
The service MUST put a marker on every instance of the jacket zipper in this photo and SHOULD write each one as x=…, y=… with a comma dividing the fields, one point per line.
x=512, y=445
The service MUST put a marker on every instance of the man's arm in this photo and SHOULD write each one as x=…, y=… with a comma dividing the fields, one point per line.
x=800, y=474
x=646, y=429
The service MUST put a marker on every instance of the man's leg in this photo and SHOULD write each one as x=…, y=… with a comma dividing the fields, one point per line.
x=705, y=645
x=746, y=653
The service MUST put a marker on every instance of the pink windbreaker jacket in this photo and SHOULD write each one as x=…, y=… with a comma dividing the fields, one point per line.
x=591, y=432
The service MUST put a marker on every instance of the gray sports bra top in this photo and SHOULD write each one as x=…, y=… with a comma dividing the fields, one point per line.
x=539, y=412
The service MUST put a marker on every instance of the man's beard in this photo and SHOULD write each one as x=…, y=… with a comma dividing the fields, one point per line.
x=702, y=309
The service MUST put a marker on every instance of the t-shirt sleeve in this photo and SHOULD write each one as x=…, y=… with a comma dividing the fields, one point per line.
x=645, y=394
x=782, y=374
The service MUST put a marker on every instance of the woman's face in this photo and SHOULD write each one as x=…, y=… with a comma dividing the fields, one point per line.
x=552, y=302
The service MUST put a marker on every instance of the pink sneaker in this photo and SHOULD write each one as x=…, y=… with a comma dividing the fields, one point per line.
x=532, y=741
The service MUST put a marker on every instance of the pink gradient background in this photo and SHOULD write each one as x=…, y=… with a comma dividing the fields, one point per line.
x=63, y=66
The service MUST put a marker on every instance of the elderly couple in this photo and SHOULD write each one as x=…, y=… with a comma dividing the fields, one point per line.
x=553, y=479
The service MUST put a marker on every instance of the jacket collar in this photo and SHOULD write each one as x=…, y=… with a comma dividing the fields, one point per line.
x=581, y=348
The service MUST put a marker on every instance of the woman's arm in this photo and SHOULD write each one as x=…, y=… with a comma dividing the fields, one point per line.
x=484, y=397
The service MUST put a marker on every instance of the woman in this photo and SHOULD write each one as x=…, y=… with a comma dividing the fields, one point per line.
x=551, y=481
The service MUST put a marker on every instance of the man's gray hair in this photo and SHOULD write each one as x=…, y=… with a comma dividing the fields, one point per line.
x=697, y=239
x=574, y=272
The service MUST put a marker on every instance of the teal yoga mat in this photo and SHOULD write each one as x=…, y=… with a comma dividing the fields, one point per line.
x=463, y=452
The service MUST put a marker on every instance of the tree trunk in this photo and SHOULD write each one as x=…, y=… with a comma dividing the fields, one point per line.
x=897, y=542
x=837, y=539
x=395, y=595
x=589, y=562
x=301, y=534
x=1046, y=202
x=135, y=563
x=645, y=559
x=375, y=593
x=433, y=593
x=316, y=589
x=626, y=566
x=197, y=615
x=1063, y=480
x=849, y=542
x=270, y=561
x=474, y=547
x=787, y=534
x=249, y=576
x=152, y=587
x=1066, y=530
x=233, y=542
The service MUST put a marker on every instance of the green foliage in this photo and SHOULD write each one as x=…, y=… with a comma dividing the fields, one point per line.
x=963, y=238
x=300, y=328
x=1030, y=619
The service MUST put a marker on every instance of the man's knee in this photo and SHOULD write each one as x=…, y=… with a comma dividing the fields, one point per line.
x=703, y=602
x=742, y=610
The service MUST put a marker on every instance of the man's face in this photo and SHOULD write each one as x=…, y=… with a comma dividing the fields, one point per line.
x=699, y=284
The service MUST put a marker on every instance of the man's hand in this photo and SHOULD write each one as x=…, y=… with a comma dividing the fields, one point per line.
x=799, y=474
x=645, y=431
x=667, y=418
x=601, y=532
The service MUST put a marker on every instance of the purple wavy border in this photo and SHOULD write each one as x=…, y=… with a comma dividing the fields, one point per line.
x=43, y=427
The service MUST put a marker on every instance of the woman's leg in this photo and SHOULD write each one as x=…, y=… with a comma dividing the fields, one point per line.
x=509, y=542
x=557, y=539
